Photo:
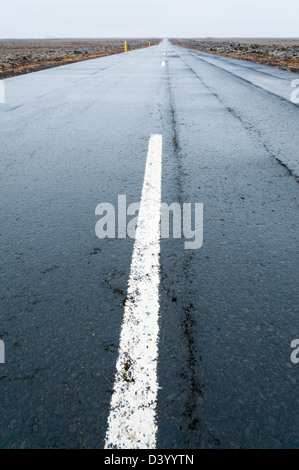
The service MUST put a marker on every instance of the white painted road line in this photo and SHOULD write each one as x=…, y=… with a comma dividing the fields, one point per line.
x=132, y=418
x=163, y=63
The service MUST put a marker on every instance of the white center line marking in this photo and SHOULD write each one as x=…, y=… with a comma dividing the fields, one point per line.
x=163, y=63
x=132, y=418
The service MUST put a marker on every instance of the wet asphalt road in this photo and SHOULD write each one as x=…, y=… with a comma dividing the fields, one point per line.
x=75, y=136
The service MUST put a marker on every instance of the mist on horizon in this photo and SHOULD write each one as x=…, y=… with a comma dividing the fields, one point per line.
x=51, y=19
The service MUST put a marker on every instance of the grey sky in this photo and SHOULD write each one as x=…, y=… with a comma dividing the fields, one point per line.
x=140, y=18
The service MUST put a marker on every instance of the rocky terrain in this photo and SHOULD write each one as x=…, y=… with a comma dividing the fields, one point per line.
x=279, y=53
x=24, y=56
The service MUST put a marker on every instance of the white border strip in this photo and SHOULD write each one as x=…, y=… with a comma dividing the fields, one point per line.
x=132, y=418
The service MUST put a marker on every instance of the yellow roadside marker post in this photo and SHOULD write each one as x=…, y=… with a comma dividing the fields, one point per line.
x=149, y=44
x=126, y=49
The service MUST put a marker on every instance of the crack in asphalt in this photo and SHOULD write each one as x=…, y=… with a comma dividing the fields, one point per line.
x=251, y=128
x=189, y=372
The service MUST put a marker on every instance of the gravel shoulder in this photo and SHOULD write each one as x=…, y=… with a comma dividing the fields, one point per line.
x=19, y=57
x=280, y=53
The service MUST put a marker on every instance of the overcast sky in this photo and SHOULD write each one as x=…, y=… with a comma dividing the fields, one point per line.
x=140, y=18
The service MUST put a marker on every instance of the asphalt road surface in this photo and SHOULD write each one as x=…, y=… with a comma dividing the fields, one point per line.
x=223, y=316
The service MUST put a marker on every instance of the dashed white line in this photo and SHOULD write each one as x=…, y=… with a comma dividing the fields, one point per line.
x=132, y=418
x=163, y=63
